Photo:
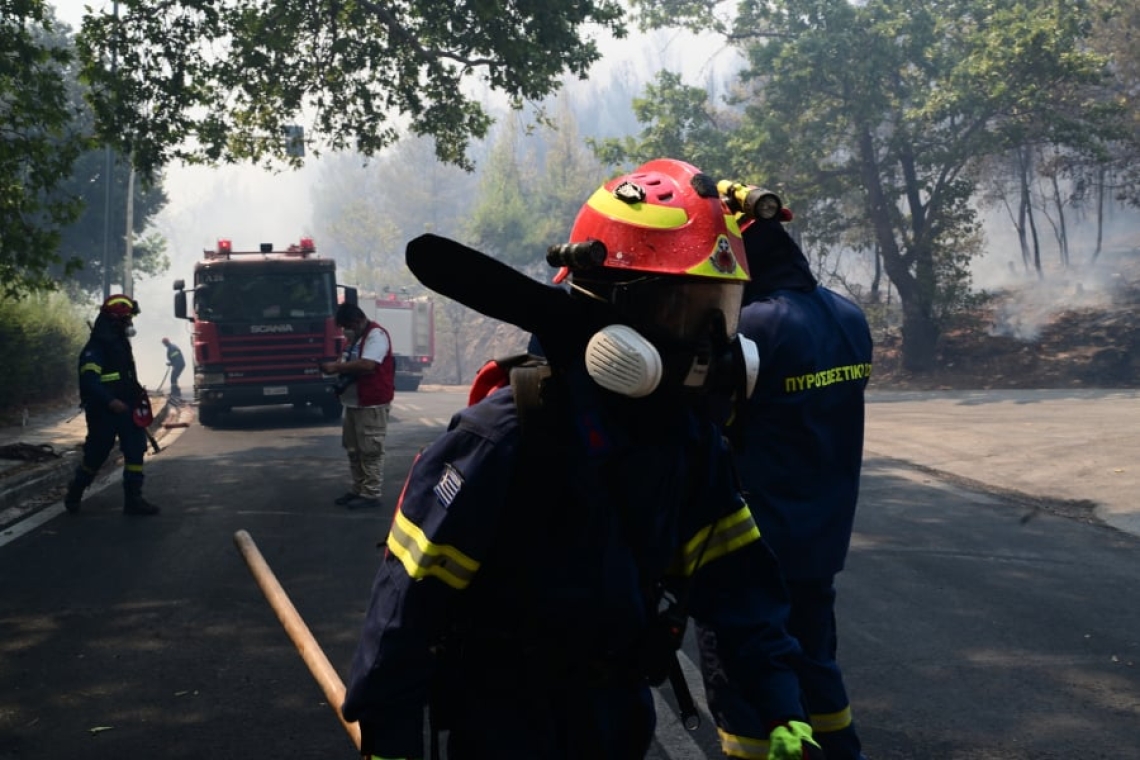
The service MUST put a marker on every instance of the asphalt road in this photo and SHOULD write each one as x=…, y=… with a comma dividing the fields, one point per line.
x=973, y=626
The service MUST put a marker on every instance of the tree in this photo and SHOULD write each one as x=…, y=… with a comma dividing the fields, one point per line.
x=219, y=81
x=530, y=192
x=367, y=210
x=877, y=113
x=500, y=222
x=678, y=120
x=39, y=143
x=83, y=239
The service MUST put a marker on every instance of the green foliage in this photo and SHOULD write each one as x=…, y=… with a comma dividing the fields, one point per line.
x=52, y=190
x=874, y=114
x=233, y=75
x=366, y=210
x=40, y=339
x=83, y=240
x=38, y=146
x=499, y=223
x=528, y=199
x=1114, y=35
x=680, y=123
x=695, y=15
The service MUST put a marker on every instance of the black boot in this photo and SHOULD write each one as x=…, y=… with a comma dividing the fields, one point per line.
x=134, y=503
x=74, y=496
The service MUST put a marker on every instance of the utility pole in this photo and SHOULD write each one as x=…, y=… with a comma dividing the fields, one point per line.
x=107, y=188
x=108, y=184
x=128, y=256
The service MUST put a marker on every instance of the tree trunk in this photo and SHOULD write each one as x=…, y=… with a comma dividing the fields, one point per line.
x=1036, y=245
x=911, y=272
x=1099, y=215
x=1062, y=229
x=1024, y=205
x=920, y=334
x=877, y=279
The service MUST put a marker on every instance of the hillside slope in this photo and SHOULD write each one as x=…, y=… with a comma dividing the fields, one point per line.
x=1083, y=340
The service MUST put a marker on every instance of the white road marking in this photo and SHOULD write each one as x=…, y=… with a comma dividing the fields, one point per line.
x=12, y=532
x=41, y=516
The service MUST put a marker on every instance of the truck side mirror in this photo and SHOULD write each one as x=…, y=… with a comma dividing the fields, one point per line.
x=180, y=305
x=350, y=296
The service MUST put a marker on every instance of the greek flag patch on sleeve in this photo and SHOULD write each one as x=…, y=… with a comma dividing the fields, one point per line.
x=448, y=486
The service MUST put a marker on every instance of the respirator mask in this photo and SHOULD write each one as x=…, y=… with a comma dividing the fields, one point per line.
x=681, y=337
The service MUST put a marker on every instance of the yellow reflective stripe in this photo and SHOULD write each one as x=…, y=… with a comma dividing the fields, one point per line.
x=421, y=558
x=836, y=721
x=110, y=377
x=641, y=214
x=91, y=367
x=120, y=300
x=133, y=467
x=743, y=746
x=729, y=533
x=732, y=532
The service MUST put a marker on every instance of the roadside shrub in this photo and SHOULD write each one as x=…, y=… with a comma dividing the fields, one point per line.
x=40, y=339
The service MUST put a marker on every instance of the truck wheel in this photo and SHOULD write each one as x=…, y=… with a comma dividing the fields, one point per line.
x=407, y=383
x=208, y=415
x=332, y=411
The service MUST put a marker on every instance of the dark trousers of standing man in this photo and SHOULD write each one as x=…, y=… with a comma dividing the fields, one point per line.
x=103, y=427
x=812, y=622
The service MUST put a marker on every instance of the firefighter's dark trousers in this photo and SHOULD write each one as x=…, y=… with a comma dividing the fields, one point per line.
x=569, y=723
x=812, y=622
x=103, y=427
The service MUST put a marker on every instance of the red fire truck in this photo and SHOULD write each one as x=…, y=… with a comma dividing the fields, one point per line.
x=411, y=324
x=262, y=321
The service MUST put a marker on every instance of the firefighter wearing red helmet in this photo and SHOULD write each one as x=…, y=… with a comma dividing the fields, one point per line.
x=115, y=405
x=549, y=549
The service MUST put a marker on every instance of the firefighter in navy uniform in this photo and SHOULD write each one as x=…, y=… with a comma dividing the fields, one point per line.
x=113, y=403
x=801, y=448
x=544, y=557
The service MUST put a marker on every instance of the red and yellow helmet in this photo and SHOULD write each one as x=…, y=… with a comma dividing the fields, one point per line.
x=666, y=218
x=119, y=306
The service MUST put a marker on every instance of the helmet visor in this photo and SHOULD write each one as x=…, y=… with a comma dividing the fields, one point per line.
x=673, y=306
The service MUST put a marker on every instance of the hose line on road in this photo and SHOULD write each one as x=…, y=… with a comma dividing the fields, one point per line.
x=311, y=652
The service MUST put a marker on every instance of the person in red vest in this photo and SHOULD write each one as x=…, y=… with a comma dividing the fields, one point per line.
x=368, y=372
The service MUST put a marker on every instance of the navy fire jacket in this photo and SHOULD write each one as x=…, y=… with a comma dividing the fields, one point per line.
x=107, y=367
x=802, y=448
x=500, y=552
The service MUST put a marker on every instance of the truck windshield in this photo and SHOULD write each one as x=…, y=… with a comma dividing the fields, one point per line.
x=265, y=296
